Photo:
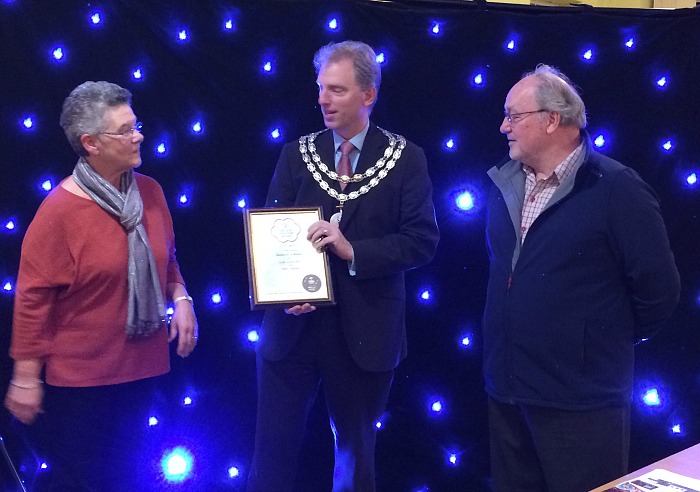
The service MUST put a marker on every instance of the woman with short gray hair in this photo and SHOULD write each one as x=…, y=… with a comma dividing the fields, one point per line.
x=96, y=271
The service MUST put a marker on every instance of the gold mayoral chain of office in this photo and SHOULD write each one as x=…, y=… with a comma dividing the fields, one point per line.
x=386, y=163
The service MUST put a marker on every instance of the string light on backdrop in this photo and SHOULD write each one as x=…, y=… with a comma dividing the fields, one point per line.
x=217, y=298
x=465, y=201
x=252, y=336
x=436, y=406
x=197, y=127
x=46, y=185
x=58, y=54
x=462, y=200
x=177, y=464
x=601, y=140
x=452, y=458
x=27, y=122
x=275, y=134
x=333, y=24
x=95, y=19
x=587, y=55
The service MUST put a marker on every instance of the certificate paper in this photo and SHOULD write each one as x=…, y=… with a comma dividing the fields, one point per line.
x=283, y=266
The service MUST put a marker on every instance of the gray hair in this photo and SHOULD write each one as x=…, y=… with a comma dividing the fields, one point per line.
x=555, y=92
x=368, y=73
x=84, y=110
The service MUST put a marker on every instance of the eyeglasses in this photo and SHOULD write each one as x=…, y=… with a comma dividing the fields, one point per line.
x=515, y=117
x=129, y=132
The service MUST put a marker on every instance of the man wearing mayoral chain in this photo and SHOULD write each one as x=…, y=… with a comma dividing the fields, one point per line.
x=378, y=222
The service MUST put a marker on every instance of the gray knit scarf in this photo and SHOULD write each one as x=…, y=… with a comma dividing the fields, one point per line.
x=146, y=309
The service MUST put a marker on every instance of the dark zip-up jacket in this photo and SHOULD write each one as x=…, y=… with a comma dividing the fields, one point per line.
x=594, y=275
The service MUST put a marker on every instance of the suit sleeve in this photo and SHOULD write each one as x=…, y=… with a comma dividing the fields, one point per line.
x=282, y=192
x=414, y=241
x=650, y=271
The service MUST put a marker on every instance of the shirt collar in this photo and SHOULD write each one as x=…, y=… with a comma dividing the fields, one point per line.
x=563, y=170
x=358, y=140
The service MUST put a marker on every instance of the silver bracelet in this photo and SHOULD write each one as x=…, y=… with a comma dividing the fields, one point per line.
x=24, y=386
x=184, y=298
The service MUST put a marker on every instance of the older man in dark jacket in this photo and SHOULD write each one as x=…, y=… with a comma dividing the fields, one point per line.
x=581, y=270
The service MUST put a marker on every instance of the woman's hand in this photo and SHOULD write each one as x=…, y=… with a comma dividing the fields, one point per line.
x=23, y=400
x=183, y=325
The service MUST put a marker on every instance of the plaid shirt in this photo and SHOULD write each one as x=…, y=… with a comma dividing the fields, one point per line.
x=538, y=193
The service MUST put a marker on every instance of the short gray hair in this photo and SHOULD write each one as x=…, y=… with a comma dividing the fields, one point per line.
x=555, y=92
x=84, y=110
x=368, y=73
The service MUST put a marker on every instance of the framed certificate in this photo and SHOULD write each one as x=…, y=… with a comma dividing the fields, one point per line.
x=283, y=266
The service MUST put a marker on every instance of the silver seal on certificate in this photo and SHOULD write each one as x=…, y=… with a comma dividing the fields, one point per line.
x=311, y=283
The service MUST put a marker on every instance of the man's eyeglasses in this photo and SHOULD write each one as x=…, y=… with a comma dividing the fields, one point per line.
x=129, y=132
x=515, y=117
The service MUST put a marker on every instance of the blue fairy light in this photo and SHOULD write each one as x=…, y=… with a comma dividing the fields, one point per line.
x=465, y=201
x=177, y=464
x=58, y=53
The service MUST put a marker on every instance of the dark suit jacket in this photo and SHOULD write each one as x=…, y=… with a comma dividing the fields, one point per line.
x=391, y=228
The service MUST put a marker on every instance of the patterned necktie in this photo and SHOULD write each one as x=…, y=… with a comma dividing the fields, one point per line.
x=344, y=168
